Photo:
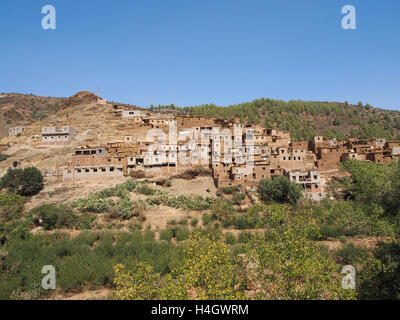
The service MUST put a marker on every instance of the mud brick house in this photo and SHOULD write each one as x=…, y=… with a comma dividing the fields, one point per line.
x=58, y=135
x=15, y=131
x=237, y=154
x=311, y=183
x=131, y=113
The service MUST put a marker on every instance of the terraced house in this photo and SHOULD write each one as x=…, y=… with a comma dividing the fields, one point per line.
x=235, y=153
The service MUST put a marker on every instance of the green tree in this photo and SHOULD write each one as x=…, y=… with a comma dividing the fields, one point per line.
x=11, y=206
x=379, y=277
x=279, y=189
x=287, y=265
x=26, y=182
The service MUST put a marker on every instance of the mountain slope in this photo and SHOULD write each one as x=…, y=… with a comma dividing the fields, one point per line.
x=305, y=119
x=22, y=109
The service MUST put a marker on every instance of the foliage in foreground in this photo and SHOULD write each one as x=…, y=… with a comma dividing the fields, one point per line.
x=26, y=182
x=279, y=189
x=207, y=273
x=291, y=266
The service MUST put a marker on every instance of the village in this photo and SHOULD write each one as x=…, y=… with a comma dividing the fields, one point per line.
x=234, y=153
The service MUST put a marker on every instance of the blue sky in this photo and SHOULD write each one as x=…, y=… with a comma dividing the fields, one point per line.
x=190, y=52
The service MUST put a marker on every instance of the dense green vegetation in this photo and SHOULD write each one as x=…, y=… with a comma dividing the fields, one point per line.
x=26, y=182
x=3, y=157
x=280, y=242
x=304, y=119
x=279, y=189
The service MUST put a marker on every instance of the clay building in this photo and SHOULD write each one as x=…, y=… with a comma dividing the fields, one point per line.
x=58, y=135
x=237, y=154
x=16, y=131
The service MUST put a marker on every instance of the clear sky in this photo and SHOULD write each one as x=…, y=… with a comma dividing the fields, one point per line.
x=191, y=52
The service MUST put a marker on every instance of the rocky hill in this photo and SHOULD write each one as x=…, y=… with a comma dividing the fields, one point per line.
x=23, y=109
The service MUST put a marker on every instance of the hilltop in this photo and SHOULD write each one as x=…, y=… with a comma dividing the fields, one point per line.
x=111, y=211
x=303, y=119
x=23, y=109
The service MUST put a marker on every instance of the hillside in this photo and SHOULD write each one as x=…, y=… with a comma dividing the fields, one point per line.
x=159, y=223
x=23, y=109
x=305, y=119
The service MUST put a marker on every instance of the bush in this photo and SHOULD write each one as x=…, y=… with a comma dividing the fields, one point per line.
x=146, y=190
x=230, y=238
x=172, y=222
x=149, y=235
x=221, y=209
x=207, y=219
x=279, y=189
x=167, y=234
x=194, y=222
x=245, y=236
x=297, y=269
x=3, y=157
x=238, y=198
x=380, y=274
x=54, y=216
x=26, y=182
x=11, y=206
x=351, y=254
x=230, y=189
x=345, y=218
x=182, y=234
x=167, y=183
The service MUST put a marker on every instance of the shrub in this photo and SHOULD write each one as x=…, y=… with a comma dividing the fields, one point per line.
x=207, y=219
x=230, y=238
x=245, y=236
x=3, y=157
x=182, y=234
x=279, y=189
x=166, y=234
x=230, y=189
x=136, y=225
x=54, y=216
x=194, y=222
x=351, y=254
x=172, y=222
x=167, y=183
x=11, y=206
x=345, y=218
x=146, y=190
x=139, y=283
x=149, y=235
x=379, y=277
x=238, y=198
x=221, y=209
x=26, y=182
x=296, y=268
